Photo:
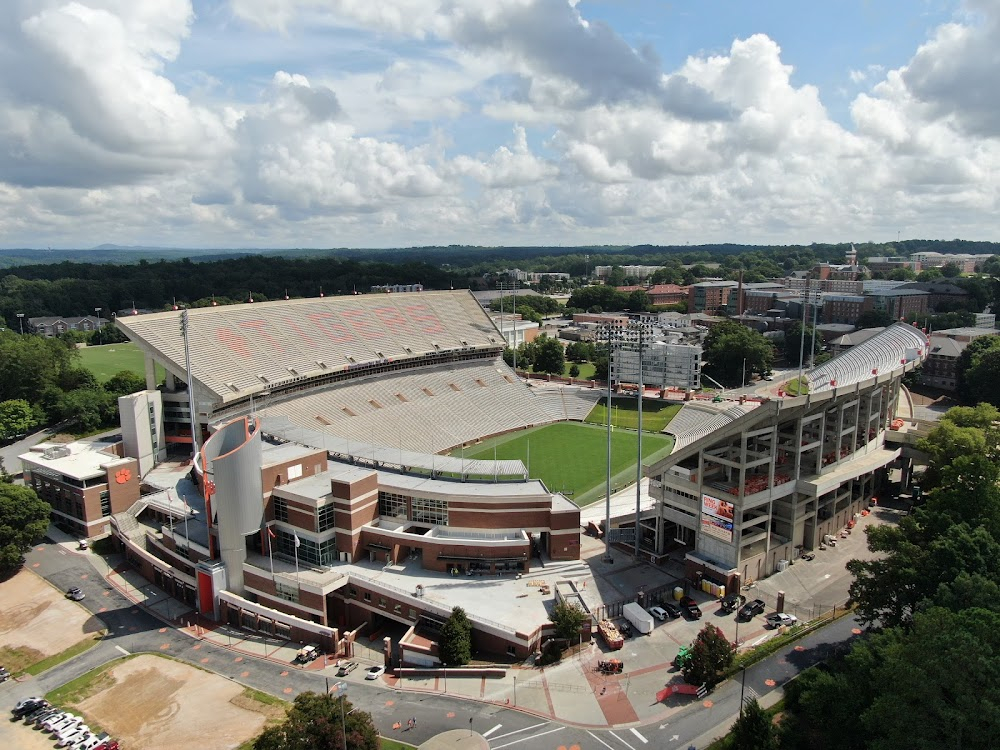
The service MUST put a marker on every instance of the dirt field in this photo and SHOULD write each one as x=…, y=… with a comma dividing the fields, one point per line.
x=157, y=703
x=38, y=621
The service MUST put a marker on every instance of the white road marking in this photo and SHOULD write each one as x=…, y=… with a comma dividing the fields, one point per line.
x=600, y=740
x=636, y=733
x=123, y=651
x=518, y=731
x=621, y=741
x=525, y=739
x=487, y=734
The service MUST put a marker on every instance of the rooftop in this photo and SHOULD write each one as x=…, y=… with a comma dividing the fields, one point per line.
x=78, y=460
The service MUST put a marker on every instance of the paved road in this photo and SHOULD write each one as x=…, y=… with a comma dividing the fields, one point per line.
x=131, y=629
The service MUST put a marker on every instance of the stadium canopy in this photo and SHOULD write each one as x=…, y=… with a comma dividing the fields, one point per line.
x=887, y=351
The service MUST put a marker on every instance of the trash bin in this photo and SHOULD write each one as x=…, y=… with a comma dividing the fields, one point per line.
x=782, y=565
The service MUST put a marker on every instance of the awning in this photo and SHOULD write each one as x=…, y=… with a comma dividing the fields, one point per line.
x=848, y=470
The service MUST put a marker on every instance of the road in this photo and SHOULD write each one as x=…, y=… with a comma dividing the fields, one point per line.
x=131, y=629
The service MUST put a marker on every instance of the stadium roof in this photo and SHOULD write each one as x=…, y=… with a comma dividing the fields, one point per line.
x=240, y=350
x=888, y=350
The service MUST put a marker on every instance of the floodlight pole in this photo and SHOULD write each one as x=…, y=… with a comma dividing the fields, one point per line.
x=802, y=342
x=638, y=464
x=185, y=330
x=607, y=499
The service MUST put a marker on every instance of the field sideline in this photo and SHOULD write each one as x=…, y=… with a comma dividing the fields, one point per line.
x=571, y=457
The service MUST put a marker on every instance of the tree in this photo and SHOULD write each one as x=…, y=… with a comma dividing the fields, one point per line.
x=125, y=382
x=711, y=654
x=794, y=345
x=873, y=319
x=318, y=722
x=728, y=344
x=754, y=730
x=574, y=370
x=455, y=639
x=549, y=355
x=23, y=520
x=568, y=619
x=16, y=418
x=87, y=409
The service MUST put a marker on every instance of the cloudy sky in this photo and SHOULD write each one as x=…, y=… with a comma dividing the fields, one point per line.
x=369, y=123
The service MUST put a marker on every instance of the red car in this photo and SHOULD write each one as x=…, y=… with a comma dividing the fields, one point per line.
x=690, y=606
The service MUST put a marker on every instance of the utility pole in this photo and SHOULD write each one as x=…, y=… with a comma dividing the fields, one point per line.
x=607, y=498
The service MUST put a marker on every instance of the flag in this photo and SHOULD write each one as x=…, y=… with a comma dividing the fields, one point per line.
x=297, y=542
x=271, y=533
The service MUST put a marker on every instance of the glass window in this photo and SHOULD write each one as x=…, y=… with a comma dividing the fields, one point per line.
x=325, y=517
x=392, y=505
x=105, y=503
x=426, y=510
x=280, y=506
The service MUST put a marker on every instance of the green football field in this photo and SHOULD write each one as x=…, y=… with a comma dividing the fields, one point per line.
x=110, y=359
x=625, y=413
x=571, y=457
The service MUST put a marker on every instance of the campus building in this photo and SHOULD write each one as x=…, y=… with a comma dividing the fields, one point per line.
x=751, y=485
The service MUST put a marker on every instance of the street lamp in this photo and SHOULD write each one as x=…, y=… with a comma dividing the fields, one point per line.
x=607, y=498
x=20, y=322
x=515, y=690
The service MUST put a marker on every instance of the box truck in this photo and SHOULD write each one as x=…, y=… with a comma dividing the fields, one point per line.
x=641, y=619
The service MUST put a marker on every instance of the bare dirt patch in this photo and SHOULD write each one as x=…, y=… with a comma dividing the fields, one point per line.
x=160, y=704
x=37, y=618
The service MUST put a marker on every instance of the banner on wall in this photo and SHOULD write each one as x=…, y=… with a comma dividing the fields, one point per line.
x=713, y=506
x=717, y=527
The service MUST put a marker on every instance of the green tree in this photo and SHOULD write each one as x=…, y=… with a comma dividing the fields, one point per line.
x=728, y=344
x=568, y=619
x=754, y=730
x=16, y=418
x=318, y=722
x=23, y=520
x=86, y=409
x=549, y=355
x=794, y=345
x=711, y=654
x=574, y=370
x=125, y=382
x=874, y=319
x=455, y=639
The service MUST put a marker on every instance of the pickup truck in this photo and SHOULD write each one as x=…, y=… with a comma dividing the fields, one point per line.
x=307, y=654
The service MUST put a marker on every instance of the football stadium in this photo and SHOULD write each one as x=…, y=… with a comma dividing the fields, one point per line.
x=314, y=469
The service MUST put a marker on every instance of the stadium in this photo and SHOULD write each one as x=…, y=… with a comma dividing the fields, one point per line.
x=323, y=489
x=338, y=488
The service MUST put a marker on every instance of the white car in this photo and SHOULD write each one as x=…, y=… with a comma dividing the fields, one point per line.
x=659, y=613
x=71, y=734
x=780, y=619
x=70, y=722
x=55, y=719
x=88, y=743
x=374, y=673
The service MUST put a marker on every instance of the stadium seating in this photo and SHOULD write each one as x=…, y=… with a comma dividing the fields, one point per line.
x=695, y=420
x=884, y=352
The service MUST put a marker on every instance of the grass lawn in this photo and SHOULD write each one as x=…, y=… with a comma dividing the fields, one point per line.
x=110, y=359
x=389, y=744
x=625, y=413
x=572, y=458
x=74, y=650
x=586, y=370
x=794, y=388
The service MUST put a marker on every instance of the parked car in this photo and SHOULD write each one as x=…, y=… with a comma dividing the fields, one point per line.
x=779, y=619
x=732, y=602
x=672, y=609
x=374, y=673
x=75, y=594
x=751, y=608
x=71, y=734
x=106, y=744
x=82, y=544
x=38, y=713
x=346, y=668
x=690, y=606
x=659, y=613
x=56, y=720
x=808, y=556
x=625, y=629
x=28, y=705
x=90, y=743
x=58, y=727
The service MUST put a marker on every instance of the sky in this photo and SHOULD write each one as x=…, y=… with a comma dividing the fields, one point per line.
x=384, y=123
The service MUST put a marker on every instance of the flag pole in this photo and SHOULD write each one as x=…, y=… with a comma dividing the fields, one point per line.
x=296, y=559
x=270, y=556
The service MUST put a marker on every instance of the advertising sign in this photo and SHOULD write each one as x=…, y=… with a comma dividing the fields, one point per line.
x=713, y=506
x=719, y=528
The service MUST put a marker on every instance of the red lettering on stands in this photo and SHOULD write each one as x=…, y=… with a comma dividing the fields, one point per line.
x=419, y=314
x=392, y=319
x=234, y=341
x=258, y=327
x=336, y=332
x=295, y=327
x=361, y=322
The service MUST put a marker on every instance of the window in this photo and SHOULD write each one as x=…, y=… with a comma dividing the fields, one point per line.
x=308, y=551
x=286, y=592
x=398, y=609
x=105, y=503
x=381, y=602
x=280, y=506
x=326, y=517
x=368, y=596
x=392, y=505
x=426, y=510
x=413, y=613
x=352, y=592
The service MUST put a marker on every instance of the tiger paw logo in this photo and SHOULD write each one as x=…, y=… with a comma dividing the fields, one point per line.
x=123, y=475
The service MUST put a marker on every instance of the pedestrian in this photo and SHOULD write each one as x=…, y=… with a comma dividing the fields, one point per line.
x=413, y=721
